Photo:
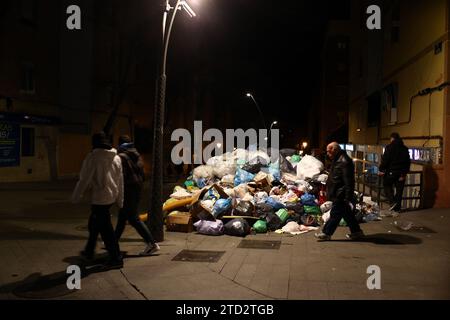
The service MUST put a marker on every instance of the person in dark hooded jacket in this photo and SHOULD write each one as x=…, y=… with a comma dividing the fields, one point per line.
x=133, y=178
x=394, y=167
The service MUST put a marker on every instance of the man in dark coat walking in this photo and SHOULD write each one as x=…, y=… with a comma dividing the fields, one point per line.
x=340, y=190
x=133, y=178
x=394, y=167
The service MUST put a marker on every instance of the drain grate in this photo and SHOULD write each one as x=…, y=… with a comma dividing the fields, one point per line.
x=198, y=256
x=260, y=244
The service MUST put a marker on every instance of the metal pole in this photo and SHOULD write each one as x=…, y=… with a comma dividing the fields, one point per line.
x=260, y=112
x=155, y=215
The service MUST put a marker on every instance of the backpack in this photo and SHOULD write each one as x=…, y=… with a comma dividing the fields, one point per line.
x=133, y=170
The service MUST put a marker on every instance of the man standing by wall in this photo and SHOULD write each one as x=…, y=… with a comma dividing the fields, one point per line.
x=340, y=190
x=394, y=167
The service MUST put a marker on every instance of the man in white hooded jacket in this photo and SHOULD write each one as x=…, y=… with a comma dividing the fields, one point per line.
x=101, y=175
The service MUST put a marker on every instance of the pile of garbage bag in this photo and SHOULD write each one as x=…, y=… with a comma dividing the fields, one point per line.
x=244, y=192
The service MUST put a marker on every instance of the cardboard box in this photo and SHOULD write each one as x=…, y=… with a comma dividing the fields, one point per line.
x=179, y=222
x=199, y=212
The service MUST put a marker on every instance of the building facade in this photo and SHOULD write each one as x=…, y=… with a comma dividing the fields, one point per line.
x=399, y=78
x=58, y=86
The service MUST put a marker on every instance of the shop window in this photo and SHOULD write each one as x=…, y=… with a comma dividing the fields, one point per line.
x=28, y=142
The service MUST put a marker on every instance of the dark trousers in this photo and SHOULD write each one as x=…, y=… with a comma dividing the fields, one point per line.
x=390, y=181
x=341, y=210
x=100, y=223
x=130, y=212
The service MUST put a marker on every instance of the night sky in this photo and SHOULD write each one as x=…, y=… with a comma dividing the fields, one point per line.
x=270, y=48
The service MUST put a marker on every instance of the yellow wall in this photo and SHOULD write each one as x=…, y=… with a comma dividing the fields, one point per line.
x=421, y=23
x=413, y=64
x=424, y=73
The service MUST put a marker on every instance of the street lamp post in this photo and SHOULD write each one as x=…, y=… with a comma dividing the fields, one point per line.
x=270, y=132
x=155, y=214
x=259, y=110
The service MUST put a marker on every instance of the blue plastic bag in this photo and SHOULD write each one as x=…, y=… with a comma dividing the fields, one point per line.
x=275, y=204
x=221, y=206
x=274, y=170
x=200, y=182
x=308, y=200
x=242, y=176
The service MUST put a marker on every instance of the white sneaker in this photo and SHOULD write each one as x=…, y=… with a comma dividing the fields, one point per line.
x=150, y=249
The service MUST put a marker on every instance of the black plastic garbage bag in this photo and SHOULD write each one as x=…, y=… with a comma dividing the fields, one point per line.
x=237, y=227
x=244, y=208
x=252, y=168
x=263, y=208
x=273, y=221
x=294, y=218
x=296, y=207
x=286, y=166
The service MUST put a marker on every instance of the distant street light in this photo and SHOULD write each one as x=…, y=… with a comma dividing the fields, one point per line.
x=155, y=215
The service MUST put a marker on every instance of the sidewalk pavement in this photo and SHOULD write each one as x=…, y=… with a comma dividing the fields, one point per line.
x=41, y=234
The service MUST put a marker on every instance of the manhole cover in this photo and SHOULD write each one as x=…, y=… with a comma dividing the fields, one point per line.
x=198, y=256
x=260, y=244
x=81, y=228
x=44, y=287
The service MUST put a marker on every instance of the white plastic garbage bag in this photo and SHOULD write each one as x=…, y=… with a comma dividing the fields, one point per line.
x=291, y=227
x=322, y=178
x=205, y=172
x=308, y=167
x=228, y=179
x=261, y=197
x=326, y=216
x=326, y=206
x=253, y=156
x=212, y=228
x=181, y=194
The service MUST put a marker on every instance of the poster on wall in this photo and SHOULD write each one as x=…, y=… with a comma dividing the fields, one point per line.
x=9, y=144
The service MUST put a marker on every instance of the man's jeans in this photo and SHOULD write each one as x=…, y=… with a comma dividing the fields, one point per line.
x=389, y=181
x=100, y=223
x=130, y=212
x=340, y=210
